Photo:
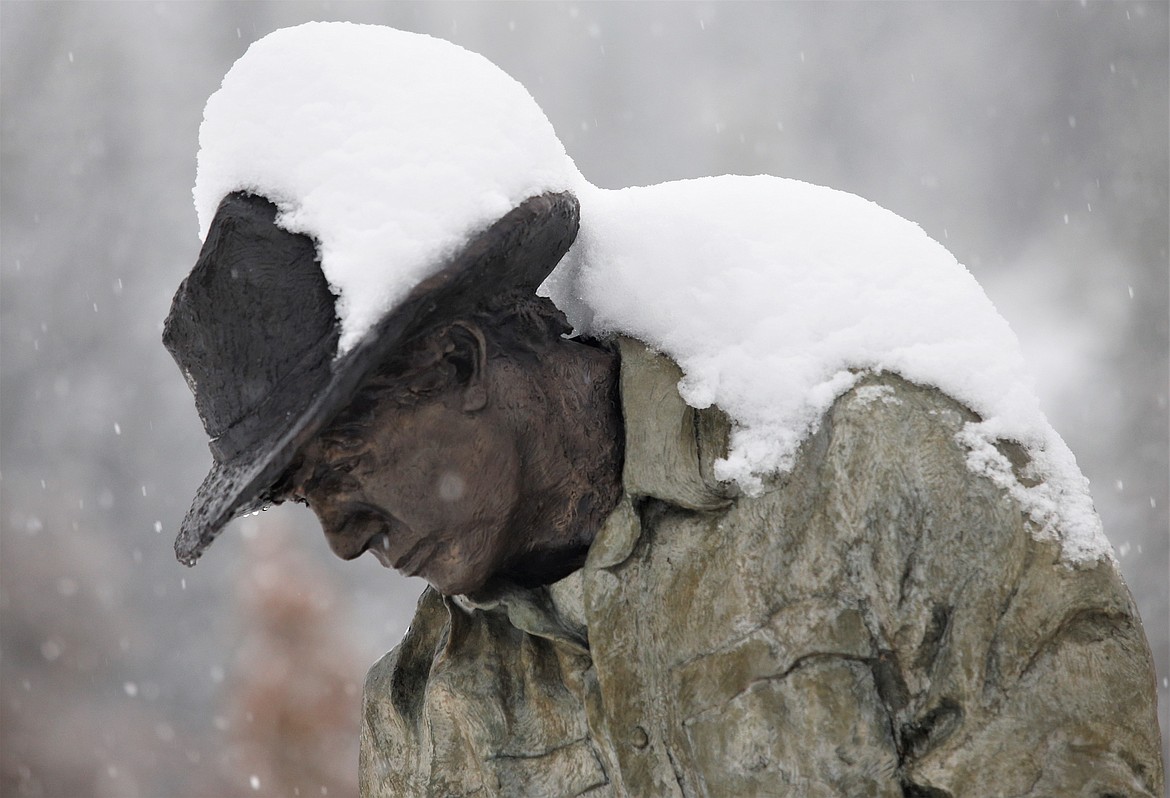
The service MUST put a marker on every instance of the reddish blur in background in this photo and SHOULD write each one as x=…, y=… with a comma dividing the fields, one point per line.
x=1031, y=139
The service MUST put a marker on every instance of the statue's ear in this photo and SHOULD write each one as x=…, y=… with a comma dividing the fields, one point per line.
x=467, y=352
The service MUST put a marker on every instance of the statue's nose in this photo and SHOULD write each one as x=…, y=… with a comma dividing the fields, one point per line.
x=349, y=534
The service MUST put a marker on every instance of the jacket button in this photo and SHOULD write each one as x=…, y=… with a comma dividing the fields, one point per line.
x=639, y=738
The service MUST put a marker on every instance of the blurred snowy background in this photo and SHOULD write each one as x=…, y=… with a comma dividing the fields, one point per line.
x=1030, y=138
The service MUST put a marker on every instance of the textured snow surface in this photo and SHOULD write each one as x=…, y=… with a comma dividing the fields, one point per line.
x=391, y=149
x=773, y=294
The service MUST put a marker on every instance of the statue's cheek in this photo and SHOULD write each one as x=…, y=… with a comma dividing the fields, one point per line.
x=452, y=487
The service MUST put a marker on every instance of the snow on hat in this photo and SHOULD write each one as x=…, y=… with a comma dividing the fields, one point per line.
x=388, y=148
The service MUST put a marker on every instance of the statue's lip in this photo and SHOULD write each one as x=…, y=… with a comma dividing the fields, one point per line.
x=380, y=543
x=379, y=546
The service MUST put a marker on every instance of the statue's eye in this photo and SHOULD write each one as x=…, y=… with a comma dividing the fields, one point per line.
x=347, y=464
x=332, y=474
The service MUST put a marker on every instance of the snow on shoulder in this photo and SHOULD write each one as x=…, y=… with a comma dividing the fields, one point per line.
x=392, y=149
x=773, y=295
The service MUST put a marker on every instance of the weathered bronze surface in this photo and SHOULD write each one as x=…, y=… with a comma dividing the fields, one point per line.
x=878, y=622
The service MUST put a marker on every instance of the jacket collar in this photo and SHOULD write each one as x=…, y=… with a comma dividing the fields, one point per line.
x=670, y=447
x=554, y=612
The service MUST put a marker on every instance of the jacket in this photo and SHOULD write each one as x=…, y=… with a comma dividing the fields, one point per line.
x=879, y=621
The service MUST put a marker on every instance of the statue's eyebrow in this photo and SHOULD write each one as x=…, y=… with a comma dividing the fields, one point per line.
x=348, y=437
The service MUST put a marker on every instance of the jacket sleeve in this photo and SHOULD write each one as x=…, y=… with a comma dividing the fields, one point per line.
x=1002, y=669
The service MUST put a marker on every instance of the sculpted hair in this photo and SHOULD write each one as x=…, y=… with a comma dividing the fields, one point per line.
x=516, y=325
x=520, y=322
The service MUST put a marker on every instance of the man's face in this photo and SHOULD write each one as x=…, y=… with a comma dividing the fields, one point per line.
x=428, y=486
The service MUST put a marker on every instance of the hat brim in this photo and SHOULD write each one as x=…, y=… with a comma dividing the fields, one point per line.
x=517, y=251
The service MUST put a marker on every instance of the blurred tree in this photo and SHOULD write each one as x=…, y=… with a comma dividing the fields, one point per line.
x=292, y=702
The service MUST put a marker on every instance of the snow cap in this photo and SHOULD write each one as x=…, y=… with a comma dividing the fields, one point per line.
x=390, y=149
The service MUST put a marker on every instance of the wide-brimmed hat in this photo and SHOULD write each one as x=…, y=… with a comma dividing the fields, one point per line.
x=254, y=330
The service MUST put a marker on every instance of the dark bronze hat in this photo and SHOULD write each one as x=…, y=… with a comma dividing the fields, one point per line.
x=254, y=330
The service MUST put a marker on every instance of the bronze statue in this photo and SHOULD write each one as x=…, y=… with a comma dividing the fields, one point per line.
x=606, y=617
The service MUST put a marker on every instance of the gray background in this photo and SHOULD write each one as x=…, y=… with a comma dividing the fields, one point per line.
x=1030, y=138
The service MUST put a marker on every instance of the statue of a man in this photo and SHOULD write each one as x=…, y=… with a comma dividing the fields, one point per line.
x=608, y=617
